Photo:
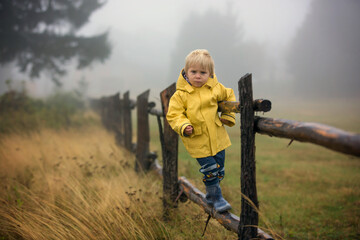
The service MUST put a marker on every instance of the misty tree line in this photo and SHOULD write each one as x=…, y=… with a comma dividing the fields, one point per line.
x=323, y=59
x=325, y=55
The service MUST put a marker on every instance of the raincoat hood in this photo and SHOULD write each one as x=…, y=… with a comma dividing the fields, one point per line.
x=183, y=85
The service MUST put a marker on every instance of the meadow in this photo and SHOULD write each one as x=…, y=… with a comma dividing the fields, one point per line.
x=75, y=183
x=305, y=191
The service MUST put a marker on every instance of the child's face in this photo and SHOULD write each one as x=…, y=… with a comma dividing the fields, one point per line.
x=197, y=75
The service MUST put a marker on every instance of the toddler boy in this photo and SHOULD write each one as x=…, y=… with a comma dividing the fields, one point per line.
x=193, y=114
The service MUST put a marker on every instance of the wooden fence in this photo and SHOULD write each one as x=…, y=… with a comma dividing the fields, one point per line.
x=116, y=116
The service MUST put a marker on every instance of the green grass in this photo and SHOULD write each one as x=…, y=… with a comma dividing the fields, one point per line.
x=310, y=188
x=304, y=191
x=21, y=113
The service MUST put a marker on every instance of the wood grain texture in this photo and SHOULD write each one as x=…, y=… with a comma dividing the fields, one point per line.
x=320, y=134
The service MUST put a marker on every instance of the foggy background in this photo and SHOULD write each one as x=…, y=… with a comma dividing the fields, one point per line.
x=299, y=49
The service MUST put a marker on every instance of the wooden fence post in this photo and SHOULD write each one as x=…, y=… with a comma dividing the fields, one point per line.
x=143, y=162
x=249, y=203
x=116, y=118
x=111, y=115
x=127, y=124
x=170, y=156
x=105, y=105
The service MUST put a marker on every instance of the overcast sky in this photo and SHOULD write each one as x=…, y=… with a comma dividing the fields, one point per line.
x=144, y=36
x=274, y=40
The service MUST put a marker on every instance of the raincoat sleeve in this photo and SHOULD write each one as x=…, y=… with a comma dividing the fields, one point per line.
x=227, y=94
x=176, y=116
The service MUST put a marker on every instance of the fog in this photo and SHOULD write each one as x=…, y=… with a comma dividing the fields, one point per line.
x=324, y=56
x=298, y=49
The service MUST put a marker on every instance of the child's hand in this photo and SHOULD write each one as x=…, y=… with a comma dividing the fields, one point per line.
x=224, y=121
x=188, y=130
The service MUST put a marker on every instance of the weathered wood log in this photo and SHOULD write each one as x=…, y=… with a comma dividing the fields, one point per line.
x=320, y=134
x=156, y=112
x=127, y=125
x=228, y=220
x=114, y=112
x=170, y=156
x=110, y=114
x=114, y=117
x=153, y=111
x=262, y=105
x=105, y=108
x=121, y=133
x=103, y=111
x=249, y=215
x=143, y=133
x=161, y=133
x=259, y=105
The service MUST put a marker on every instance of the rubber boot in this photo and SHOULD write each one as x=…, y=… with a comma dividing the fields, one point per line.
x=215, y=196
x=208, y=198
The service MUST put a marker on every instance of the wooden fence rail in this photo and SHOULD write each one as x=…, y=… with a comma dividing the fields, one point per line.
x=228, y=220
x=116, y=116
x=320, y=134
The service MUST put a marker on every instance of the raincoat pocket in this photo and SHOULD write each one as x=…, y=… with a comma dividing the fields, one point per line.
x=218, y=122
x=197, y=130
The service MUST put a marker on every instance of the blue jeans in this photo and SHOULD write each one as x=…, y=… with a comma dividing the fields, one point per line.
x=213, y=168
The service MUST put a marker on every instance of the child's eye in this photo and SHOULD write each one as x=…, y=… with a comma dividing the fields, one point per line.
x=203, y=73
x=193, y=72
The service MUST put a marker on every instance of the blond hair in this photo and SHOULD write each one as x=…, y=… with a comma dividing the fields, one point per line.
x=200, y=57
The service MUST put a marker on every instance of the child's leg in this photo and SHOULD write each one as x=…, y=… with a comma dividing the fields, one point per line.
x=220, y=159
x=210, y=169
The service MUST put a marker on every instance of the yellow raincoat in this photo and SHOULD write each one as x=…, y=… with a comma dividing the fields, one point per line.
x=199, y=107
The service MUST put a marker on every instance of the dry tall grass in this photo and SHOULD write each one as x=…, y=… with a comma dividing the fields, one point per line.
x=77, y=184
x=74, y=185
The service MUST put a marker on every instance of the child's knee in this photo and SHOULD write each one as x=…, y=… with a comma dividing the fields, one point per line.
x=213, y=173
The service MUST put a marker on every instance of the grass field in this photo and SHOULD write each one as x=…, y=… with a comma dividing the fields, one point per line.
x=77, y=184
x=305, y=191
x=73, y=184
